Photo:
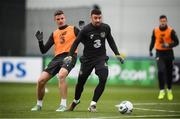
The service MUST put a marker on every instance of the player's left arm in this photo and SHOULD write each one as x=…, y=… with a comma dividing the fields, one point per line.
x=175, y=39
x=174, y=43
x=113, y=46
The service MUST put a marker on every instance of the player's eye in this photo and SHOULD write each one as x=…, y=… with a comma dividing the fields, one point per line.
x=97, y=18
x=59, y=19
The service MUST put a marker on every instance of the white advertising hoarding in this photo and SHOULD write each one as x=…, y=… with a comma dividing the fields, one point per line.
x=20, y=69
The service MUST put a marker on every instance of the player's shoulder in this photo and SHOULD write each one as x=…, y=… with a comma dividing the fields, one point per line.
x=156, y=29
x=72, y=27
x=170, y=28
x=87, y=28
x=105, y=26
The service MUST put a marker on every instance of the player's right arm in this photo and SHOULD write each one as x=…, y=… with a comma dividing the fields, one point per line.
x=152, y=44
x=48, y=45
x=68, y=59
x=76, y=43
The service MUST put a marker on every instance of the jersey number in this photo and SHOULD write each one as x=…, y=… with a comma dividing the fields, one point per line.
x=97, y=43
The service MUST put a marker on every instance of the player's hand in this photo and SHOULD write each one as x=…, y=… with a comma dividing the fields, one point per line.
x=121, y=58
x=67, y=60
x=39, y=35
x=165, y=45
x=150, y=54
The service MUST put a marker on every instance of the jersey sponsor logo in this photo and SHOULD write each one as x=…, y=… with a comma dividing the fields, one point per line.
x=102, y=34
x=62, y=37
x=97, y=43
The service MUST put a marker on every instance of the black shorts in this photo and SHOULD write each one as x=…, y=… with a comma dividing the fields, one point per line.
x=87, y=65
x=57, y=62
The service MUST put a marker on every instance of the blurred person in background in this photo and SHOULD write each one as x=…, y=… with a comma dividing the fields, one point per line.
x=62, y=38
x=164, y=39
x=93, y=36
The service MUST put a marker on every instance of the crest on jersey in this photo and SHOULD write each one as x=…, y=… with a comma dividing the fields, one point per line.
x=102, y=34
x=62, y=37
x=91, y=36
x=162, y=36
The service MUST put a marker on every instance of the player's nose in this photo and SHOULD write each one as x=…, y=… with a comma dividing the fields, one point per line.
x=97, y=20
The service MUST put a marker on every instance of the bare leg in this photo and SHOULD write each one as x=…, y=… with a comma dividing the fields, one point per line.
x=62, y=82
x=44, y=77
x=40, y=91
x=63, y=89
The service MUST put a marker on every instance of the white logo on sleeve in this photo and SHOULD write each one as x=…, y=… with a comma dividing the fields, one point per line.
x=97, y=43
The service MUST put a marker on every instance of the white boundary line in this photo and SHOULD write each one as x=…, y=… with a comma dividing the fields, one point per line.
x=127, y=116
x=136, y=104
x=144, y=109
x=140, y=116
x=157, y=110
x=156, y=104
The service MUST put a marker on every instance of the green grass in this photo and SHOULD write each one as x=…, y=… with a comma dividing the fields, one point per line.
x=16, y=100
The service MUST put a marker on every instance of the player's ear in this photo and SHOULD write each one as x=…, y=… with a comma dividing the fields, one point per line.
x=91, y=17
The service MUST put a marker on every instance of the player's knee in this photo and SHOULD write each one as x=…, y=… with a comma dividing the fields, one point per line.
x=102, y=74
x=61, y=79
x=44, y=77
x=79, y=85
x=81, y=82
x=41, y=81
x=102, y=81
x=62, y=74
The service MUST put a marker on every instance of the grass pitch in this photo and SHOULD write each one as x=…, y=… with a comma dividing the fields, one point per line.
x=16, y=100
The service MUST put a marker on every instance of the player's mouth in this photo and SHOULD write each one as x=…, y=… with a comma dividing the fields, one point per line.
x=61, y=23
x=97, y=23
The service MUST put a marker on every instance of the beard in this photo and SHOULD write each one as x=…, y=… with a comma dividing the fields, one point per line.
x=97, y=24
x=163, y=27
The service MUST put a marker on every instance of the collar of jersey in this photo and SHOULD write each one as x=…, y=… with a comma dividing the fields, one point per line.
x=63, y=27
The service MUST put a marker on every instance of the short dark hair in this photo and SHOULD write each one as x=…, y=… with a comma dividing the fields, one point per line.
x=162, y=17
x=58, y=12
x=96, y=12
